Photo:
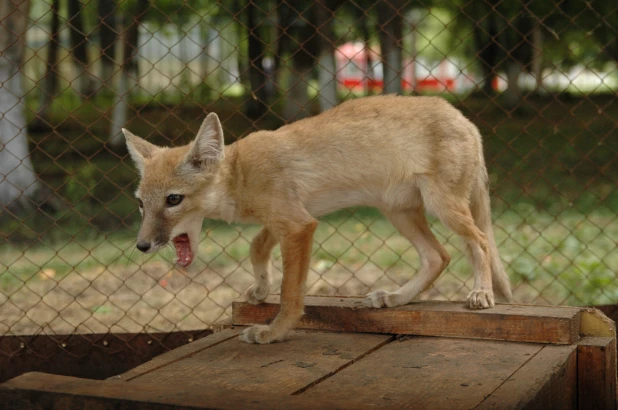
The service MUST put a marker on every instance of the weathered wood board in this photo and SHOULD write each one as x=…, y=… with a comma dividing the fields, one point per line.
x=457, y=361
x=304, y=359
x=41, y=391
x=437, y=373
x=328, y=370
x=182, y=352
x=517, y=323
x=597, y=373
x=547, y=381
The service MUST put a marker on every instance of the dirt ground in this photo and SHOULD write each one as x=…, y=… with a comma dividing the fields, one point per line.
x=154, y=297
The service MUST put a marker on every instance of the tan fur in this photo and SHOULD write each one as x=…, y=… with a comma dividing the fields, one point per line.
x=403, y=155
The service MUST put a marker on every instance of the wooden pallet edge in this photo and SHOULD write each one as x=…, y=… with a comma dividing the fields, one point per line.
x=42, y=390
x=546, y=381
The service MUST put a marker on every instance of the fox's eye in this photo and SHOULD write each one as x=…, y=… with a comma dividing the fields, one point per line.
x=140, y=203
x=174, y=199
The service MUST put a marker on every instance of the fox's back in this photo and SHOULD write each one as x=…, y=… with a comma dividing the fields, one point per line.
x=378, y=143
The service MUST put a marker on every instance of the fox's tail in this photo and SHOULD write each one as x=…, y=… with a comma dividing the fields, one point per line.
x=481, y=212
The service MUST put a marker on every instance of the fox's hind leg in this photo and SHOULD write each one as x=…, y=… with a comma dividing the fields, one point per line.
x=455, y=213
x=261, y=247
x=412, y=224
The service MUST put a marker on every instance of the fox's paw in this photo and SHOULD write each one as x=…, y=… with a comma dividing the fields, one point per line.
x=381, y=298
x=481, y=299
x=256, y=294
x=260, y=334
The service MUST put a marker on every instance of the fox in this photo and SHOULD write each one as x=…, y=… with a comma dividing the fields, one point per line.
x=406, y=156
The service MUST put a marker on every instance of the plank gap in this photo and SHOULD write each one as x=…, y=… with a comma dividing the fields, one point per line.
x=548, y=381
x=426, y=373
x=510, y=376
x=278, y=368
x=345, y=365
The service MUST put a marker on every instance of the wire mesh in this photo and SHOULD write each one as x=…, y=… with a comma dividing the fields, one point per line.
x=539, y=79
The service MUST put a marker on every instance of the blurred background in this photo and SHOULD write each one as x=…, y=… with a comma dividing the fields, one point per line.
x=539, y=79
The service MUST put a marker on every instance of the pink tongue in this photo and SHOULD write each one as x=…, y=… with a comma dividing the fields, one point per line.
x=183, y=250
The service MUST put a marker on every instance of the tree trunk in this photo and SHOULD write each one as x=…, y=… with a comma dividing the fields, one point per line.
x=537, y=57
x=130, y=66
x=487, y=49
x=230, y=66
x=108, y=35
x=327, y=69
x=512, y=94
x=413, y=18
x=209, y=59
x=50, y=81
x=127, y=81
x=516, y=39
x=121, y=97
x=284, y=36
x=390, y=33
x=119, y=114
x=78, y=44
x=368, y=56
x=256, y=106
x=18, y=180
x=296, y=104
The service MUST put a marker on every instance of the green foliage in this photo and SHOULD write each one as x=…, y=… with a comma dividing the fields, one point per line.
x=80, y=183
x=181, y=13
x=565, y=258
x=574, y=31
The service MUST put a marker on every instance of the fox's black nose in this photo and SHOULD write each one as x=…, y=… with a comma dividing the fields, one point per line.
x=143, y=246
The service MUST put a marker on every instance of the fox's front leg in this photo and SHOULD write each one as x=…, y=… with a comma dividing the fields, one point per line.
x=261, y=247
x=296, y=240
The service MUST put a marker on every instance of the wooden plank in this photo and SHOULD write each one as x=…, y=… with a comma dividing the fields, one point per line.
x=427, y=373
x=178, y=354
x=282, y=368
x=596, y=365
x=519, y=323
x=46, y=391
x=547, y=381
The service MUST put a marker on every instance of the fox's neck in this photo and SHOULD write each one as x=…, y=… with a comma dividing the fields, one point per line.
x=221, y=202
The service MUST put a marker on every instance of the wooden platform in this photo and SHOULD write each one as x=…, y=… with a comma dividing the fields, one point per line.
x=427, y=355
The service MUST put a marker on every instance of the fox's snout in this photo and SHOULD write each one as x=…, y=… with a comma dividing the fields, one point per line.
x=152, y=234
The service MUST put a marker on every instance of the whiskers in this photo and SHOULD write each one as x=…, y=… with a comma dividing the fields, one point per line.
x=122, y=252
x=163, y=254
x=169, y=253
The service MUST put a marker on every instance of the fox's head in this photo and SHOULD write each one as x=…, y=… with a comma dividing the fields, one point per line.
x=173, y=188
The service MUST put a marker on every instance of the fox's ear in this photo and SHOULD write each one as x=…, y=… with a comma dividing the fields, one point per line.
x=207, y=148
x=139, y=149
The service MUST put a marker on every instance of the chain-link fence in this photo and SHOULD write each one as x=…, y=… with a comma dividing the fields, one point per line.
x=538, y=78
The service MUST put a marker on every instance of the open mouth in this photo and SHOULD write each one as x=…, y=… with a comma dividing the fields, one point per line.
x=184, y=254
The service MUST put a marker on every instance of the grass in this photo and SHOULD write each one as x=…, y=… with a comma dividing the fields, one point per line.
x=565, y=259
x=102, y=284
